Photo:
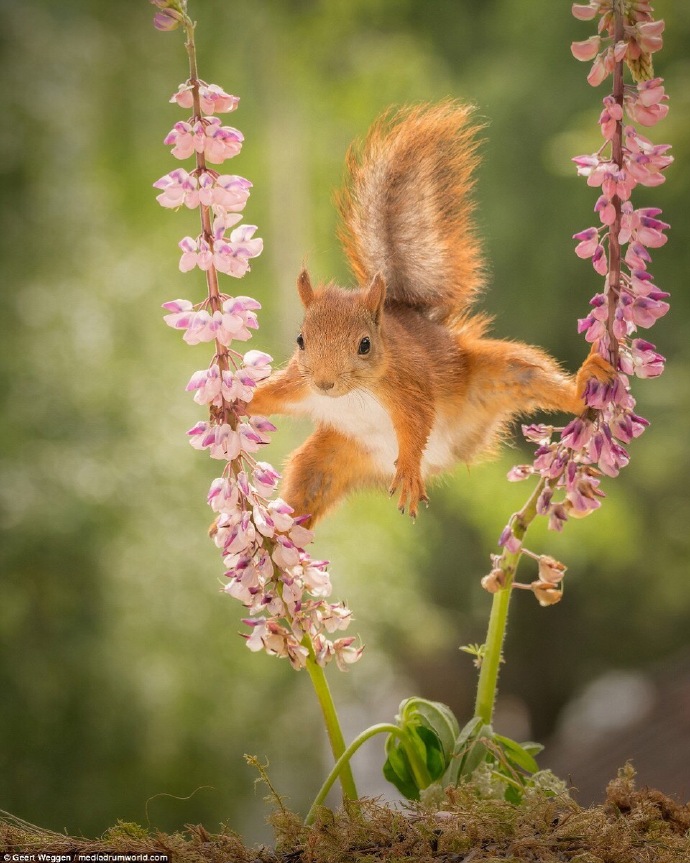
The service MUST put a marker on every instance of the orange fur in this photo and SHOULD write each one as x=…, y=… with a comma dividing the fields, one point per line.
x=400, y=381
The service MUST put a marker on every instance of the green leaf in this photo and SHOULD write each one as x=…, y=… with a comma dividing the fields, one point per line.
x=517, y=754
x=512, y=795
x=435, y=760
x=398, y=760
x=477, y=751
x=470, y=729
x=433, y=715
x=405, y=787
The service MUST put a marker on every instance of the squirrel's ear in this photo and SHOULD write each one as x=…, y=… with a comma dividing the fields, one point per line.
x=304, y=288
x=375, y=295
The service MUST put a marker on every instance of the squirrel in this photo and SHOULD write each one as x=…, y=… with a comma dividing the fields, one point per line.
x=401, y=380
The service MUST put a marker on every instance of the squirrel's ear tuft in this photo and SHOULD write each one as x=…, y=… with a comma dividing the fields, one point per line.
x=375, y=295
x=304, y=288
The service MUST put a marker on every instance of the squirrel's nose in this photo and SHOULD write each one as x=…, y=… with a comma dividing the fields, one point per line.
x=325, y=385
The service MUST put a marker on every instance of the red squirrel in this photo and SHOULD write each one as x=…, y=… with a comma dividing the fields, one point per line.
x=400, y=379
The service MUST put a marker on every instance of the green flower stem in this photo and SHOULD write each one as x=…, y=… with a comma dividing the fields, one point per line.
x=498, y=619
x=335, y=734
x=418, y=768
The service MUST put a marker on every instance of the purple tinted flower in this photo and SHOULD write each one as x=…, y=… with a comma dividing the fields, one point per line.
x=265, y=478
x=642, y=360
x=509, y=541
x=544, y=500
x=519, y=472
x=213, y=99
x=557, y=517
x=577, y=433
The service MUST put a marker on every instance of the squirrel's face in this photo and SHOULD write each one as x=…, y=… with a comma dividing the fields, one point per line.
x=339, y=348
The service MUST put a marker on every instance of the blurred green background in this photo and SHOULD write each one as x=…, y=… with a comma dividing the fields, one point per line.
x=125, y=691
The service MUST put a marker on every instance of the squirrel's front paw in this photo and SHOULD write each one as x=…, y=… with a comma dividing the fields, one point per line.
x=596, y=368
x=412, y=490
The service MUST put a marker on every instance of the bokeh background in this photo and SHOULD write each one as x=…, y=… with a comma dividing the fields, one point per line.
x=125, y=691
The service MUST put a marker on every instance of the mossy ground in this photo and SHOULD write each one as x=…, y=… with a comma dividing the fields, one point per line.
x=632, y=826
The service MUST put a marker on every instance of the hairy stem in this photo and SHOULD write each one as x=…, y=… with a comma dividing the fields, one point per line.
x=613, y=281
x=343, y=761
x=215, y=301
x=487, y=686
x=330, y=716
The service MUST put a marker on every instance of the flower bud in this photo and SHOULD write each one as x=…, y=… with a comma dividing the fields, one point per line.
x=494, y=581
x=551, y=570
x=546, y=593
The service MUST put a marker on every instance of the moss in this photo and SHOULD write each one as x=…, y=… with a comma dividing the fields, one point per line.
x=632, y=826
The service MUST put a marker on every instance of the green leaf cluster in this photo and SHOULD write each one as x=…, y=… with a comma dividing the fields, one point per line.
x=431, y=749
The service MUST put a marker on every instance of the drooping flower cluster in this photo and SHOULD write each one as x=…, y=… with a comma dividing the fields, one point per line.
x=267, y=568
x=594, y=444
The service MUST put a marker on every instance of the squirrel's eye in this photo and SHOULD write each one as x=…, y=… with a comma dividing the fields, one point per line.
x=300, y=342
x=364, y=346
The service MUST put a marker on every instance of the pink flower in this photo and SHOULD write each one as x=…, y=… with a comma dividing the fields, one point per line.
x=576, y=434
x=230, y=192
x=236, y=319
x=221, y=142
x=647, y=106
x=644, y=311
x=334, y=617
x=236, y=537
x=601, y=68
x=167, y=19
x=644, y=160
x=256, y=365
x=642, y=227
x=599, y=261
x=636, y=256
x=606, y=210
x=265, y=478
x=316, y=579
x=221, y=440
x=642, y=360
x=301, y=536
x=585, y=13
x=281, y=513
x=285, y=553
x=609, y=117
x=232, y=256
x=558, y=516
x=182, y=313
x=582, y=492
x=544, y=500
x=195, y=253
x=346, y=653
x=213, y=98
x=179, y=188
x=206, y=385
x=647, y=35
x=627, y=426
x=223, y=495
x=206, y=136
x=589, y=240
x=586, y=50
x=227, y=190
x=609, y=455
x=538, y=433
x=203, y=327
x=509, y=541
x=519, y=472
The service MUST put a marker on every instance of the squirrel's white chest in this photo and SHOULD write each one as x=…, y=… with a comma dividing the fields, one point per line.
x=360, y=416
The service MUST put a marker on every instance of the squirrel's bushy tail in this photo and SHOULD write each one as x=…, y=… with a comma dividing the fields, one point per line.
x=407, y=208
